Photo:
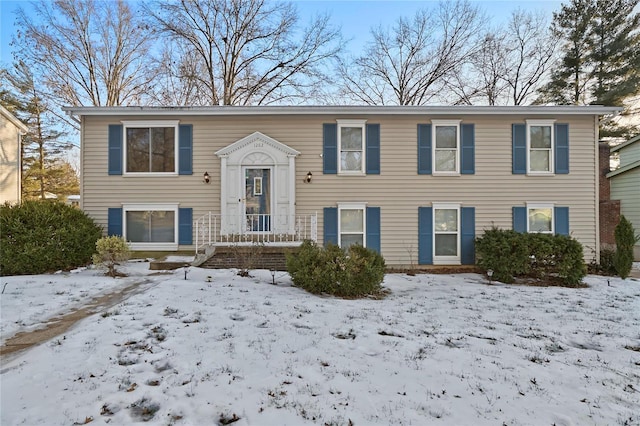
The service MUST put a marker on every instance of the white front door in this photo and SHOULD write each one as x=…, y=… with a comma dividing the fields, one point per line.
x=257, y=186
x=257, y=199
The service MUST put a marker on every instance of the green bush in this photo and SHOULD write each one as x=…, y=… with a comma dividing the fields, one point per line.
x=510, y=254
x=355, y=273
x=502, y=252
x=606, y=266
x=110, y=252
x=625, y=240
x=45, y=236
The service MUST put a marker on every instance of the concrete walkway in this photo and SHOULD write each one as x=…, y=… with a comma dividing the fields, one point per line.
x=59, y=324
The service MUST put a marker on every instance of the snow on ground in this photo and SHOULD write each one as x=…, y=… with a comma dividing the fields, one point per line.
x=29, y=300
x=440, y=349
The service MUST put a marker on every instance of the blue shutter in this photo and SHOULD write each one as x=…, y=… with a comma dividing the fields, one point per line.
x=468, y=235
x=185, y=226
x=373, y=149
x=114, y=222
x=519, y=148
x=185, y=144
x=520, y=219
x=562, y=149
x=115, y=149
x=330, y=148
x=425, y=236
x=467, y=157
x=373, y=228
x=424, y=149
x=330, y=225
x=561, y=217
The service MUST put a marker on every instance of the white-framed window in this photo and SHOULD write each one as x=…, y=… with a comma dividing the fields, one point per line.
x=352, y=224
x=540, y=147
x=540, y=218
x=446, y=233
x=151, y=226
x=351, y=146
x=150, y=147
x=446, y=146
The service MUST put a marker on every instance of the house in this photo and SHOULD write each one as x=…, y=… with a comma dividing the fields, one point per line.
x=11, y=132
x=418, y=184
x=625, y=183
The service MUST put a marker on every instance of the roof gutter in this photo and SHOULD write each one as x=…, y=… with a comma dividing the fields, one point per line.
x=535, y=110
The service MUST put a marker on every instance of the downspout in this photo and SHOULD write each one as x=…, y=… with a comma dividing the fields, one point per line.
x=596, y=169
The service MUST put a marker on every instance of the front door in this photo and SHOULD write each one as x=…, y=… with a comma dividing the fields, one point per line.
x=257, y=199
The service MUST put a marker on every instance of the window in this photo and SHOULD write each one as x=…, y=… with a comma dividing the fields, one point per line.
x=151, y=147
x=151, y=226
x=446, y=233
x=540, y=218
x=351, y=224
x=351, y=136
x=540, y=146
x=446, y=146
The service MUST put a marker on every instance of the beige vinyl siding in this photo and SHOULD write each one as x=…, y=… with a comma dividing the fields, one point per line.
x=626, y=188
x=398, y=190
x=9, y=162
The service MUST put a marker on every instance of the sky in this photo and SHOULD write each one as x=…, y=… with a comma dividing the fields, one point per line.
x=450, y=349
x=355, y=17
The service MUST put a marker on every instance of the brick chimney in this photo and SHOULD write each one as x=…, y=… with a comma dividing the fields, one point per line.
x=609, y=209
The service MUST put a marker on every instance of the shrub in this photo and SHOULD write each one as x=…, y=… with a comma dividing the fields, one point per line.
x=625, y=240
x=110, y=252
x=355, y=273
x=502, y=252
x=45, y=236
x=510, y=254
x=606, y=266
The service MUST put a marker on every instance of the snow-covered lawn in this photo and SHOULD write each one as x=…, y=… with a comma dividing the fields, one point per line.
x=218, y=348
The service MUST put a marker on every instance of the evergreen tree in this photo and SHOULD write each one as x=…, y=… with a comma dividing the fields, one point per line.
x=569, y=80
x=601, y=61
x=615, y=54
x=44, y=144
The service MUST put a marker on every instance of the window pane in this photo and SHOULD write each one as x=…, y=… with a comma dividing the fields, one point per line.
x=446, y=136
x=137, y=227
x=445, y=161
x=151, y=226
x=137, y=150
x=446, y=220
x=446, y=244
x=163, y=146
x=162, y=227
x=351, y=161
x=540, y=136
x=347, y=240
x=351, y=220
x=351, y=138
x=540, y=160
x=540, y=220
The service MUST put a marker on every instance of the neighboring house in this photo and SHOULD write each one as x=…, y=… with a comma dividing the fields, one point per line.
x=418, y=184
x=625, y=183
x=11, y=132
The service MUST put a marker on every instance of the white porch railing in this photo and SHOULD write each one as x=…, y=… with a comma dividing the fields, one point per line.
x=217, y=229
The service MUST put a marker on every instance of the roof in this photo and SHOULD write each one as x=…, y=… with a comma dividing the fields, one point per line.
x=625, y=144
x=19, y=124
x=624, y=169
x=335, y=110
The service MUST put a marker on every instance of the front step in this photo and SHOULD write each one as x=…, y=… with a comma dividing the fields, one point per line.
x=249, y=257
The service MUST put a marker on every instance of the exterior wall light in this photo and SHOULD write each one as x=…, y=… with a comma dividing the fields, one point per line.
x=308, y=178
x=207, y=178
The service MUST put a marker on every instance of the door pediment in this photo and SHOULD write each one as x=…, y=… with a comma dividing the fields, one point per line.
x=249, y=147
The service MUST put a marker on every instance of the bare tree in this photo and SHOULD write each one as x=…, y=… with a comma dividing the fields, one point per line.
x=248, y=51
x=409, y=63
x=87, y=52
x=530, y=48
x=510, y=63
